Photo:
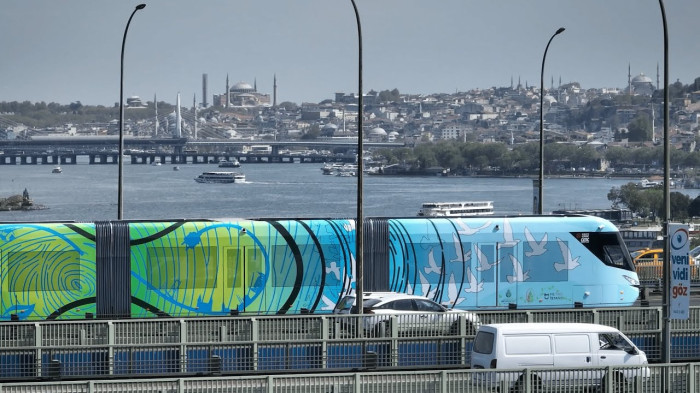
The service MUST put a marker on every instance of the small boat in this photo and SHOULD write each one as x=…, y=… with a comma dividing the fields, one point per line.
x=156, y=162
x=176, y=168
x=229, y=164
x=57, y=170
x=456, y=209
x=220, y=177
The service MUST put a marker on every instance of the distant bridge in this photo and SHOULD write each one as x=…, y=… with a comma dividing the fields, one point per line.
x=104, y=150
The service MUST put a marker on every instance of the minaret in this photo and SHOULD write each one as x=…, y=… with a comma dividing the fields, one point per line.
x=274, y=92
x=657, y=76
x=255, y=85
x=194, y=106
x=629, y=79
x=178, y=118
x=228, y=97
x=155, y=105
x=204, y=90
x=511, y=82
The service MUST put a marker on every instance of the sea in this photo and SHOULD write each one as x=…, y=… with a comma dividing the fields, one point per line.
x=84, y=193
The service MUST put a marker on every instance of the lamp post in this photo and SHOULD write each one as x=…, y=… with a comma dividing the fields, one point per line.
x=120, y=191
x=666, y=328
x=541, y=177
x=359, y=230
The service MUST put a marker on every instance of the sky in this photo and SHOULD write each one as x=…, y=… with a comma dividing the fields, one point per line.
x=70, y=50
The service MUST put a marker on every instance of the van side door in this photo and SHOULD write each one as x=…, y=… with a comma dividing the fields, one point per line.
x=575, y=350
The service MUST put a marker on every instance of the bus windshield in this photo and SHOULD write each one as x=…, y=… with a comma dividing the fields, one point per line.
x=608, y=247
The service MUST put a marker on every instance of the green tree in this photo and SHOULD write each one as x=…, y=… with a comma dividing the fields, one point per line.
x=639, y=129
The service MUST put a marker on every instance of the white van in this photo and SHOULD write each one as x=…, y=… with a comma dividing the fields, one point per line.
x=555, y=345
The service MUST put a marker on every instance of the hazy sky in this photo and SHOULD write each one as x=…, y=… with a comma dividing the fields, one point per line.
x=69, y=50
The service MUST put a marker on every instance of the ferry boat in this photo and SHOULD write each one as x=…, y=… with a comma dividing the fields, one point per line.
x=229, y=164
x=57, y=170
x=456, y=209
x=220, y=177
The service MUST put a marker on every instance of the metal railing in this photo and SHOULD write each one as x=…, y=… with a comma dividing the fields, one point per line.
x=310, y=343
x=677, y=378
x=650, y=273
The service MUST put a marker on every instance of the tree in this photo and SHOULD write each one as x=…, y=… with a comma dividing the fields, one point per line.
x=639, y=129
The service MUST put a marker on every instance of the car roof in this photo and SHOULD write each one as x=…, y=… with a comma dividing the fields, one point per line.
x=548, y=327
x=389, y=296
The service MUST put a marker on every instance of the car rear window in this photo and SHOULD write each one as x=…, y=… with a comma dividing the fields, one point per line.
x=483, y=343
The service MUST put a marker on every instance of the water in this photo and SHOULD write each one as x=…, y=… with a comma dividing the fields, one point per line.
x=89, y=192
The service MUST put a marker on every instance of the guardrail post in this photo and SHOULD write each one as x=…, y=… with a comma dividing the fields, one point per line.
x=394, y=325
x=183, y=346
x=255, y=334
x=325, y=324
x=110, y=349
x=37, y=344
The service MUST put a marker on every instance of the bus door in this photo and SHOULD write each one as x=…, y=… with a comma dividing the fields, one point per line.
x=244, y=280
x=510, y=273
x=484, y=272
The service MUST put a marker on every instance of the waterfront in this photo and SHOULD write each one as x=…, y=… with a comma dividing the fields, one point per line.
x=89, y=192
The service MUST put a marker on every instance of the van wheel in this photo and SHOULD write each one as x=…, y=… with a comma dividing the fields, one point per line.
x=535, y=384
x=619, y=383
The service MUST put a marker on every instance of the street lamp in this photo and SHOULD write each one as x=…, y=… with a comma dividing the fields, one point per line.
x=120, y=191
x=666, y=327
x=541, y=178
x=359, y=230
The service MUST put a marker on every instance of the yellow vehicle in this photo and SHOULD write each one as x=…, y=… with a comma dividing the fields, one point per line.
x=649, y=263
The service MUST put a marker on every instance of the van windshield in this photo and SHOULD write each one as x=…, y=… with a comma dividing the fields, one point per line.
x=483, y=343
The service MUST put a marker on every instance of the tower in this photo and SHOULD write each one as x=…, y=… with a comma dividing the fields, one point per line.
x=228, y=93
x=194, y=121
x=657, y=76
x=204, y=90
x=629, y=79
x=155, y=105
x=274, y=91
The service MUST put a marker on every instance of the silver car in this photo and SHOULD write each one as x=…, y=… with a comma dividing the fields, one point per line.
x=413, y=315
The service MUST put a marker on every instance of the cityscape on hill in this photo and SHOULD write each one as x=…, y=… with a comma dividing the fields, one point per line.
x=630, y=116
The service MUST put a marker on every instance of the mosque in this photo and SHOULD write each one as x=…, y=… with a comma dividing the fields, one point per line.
x=641, y=84
x=242, y=94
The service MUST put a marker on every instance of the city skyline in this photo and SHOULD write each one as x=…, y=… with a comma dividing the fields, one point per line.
x=70, y=51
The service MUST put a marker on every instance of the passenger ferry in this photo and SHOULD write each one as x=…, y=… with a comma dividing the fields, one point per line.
x=220, y=177
x=229, y=164
x=456, y=209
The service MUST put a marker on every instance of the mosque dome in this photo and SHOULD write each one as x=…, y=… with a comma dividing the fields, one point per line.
x=641, y=78
x=330, y=126
x=241, y=87
x=549, y=99
x=377, y=131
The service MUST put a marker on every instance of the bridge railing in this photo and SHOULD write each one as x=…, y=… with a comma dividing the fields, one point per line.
x=650, y=273
x=677, y=378
x=308, y=343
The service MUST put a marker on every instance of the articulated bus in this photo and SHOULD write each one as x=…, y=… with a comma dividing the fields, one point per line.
x=197, y=268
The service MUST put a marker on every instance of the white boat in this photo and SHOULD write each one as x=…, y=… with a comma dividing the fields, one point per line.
x=156, y=162
x=339, y=169
x=57, y=170
x=229, y=164
x=220, y=177
x=456, y=209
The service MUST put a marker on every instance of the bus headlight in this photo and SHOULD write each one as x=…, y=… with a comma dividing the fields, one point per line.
x=631, y=280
